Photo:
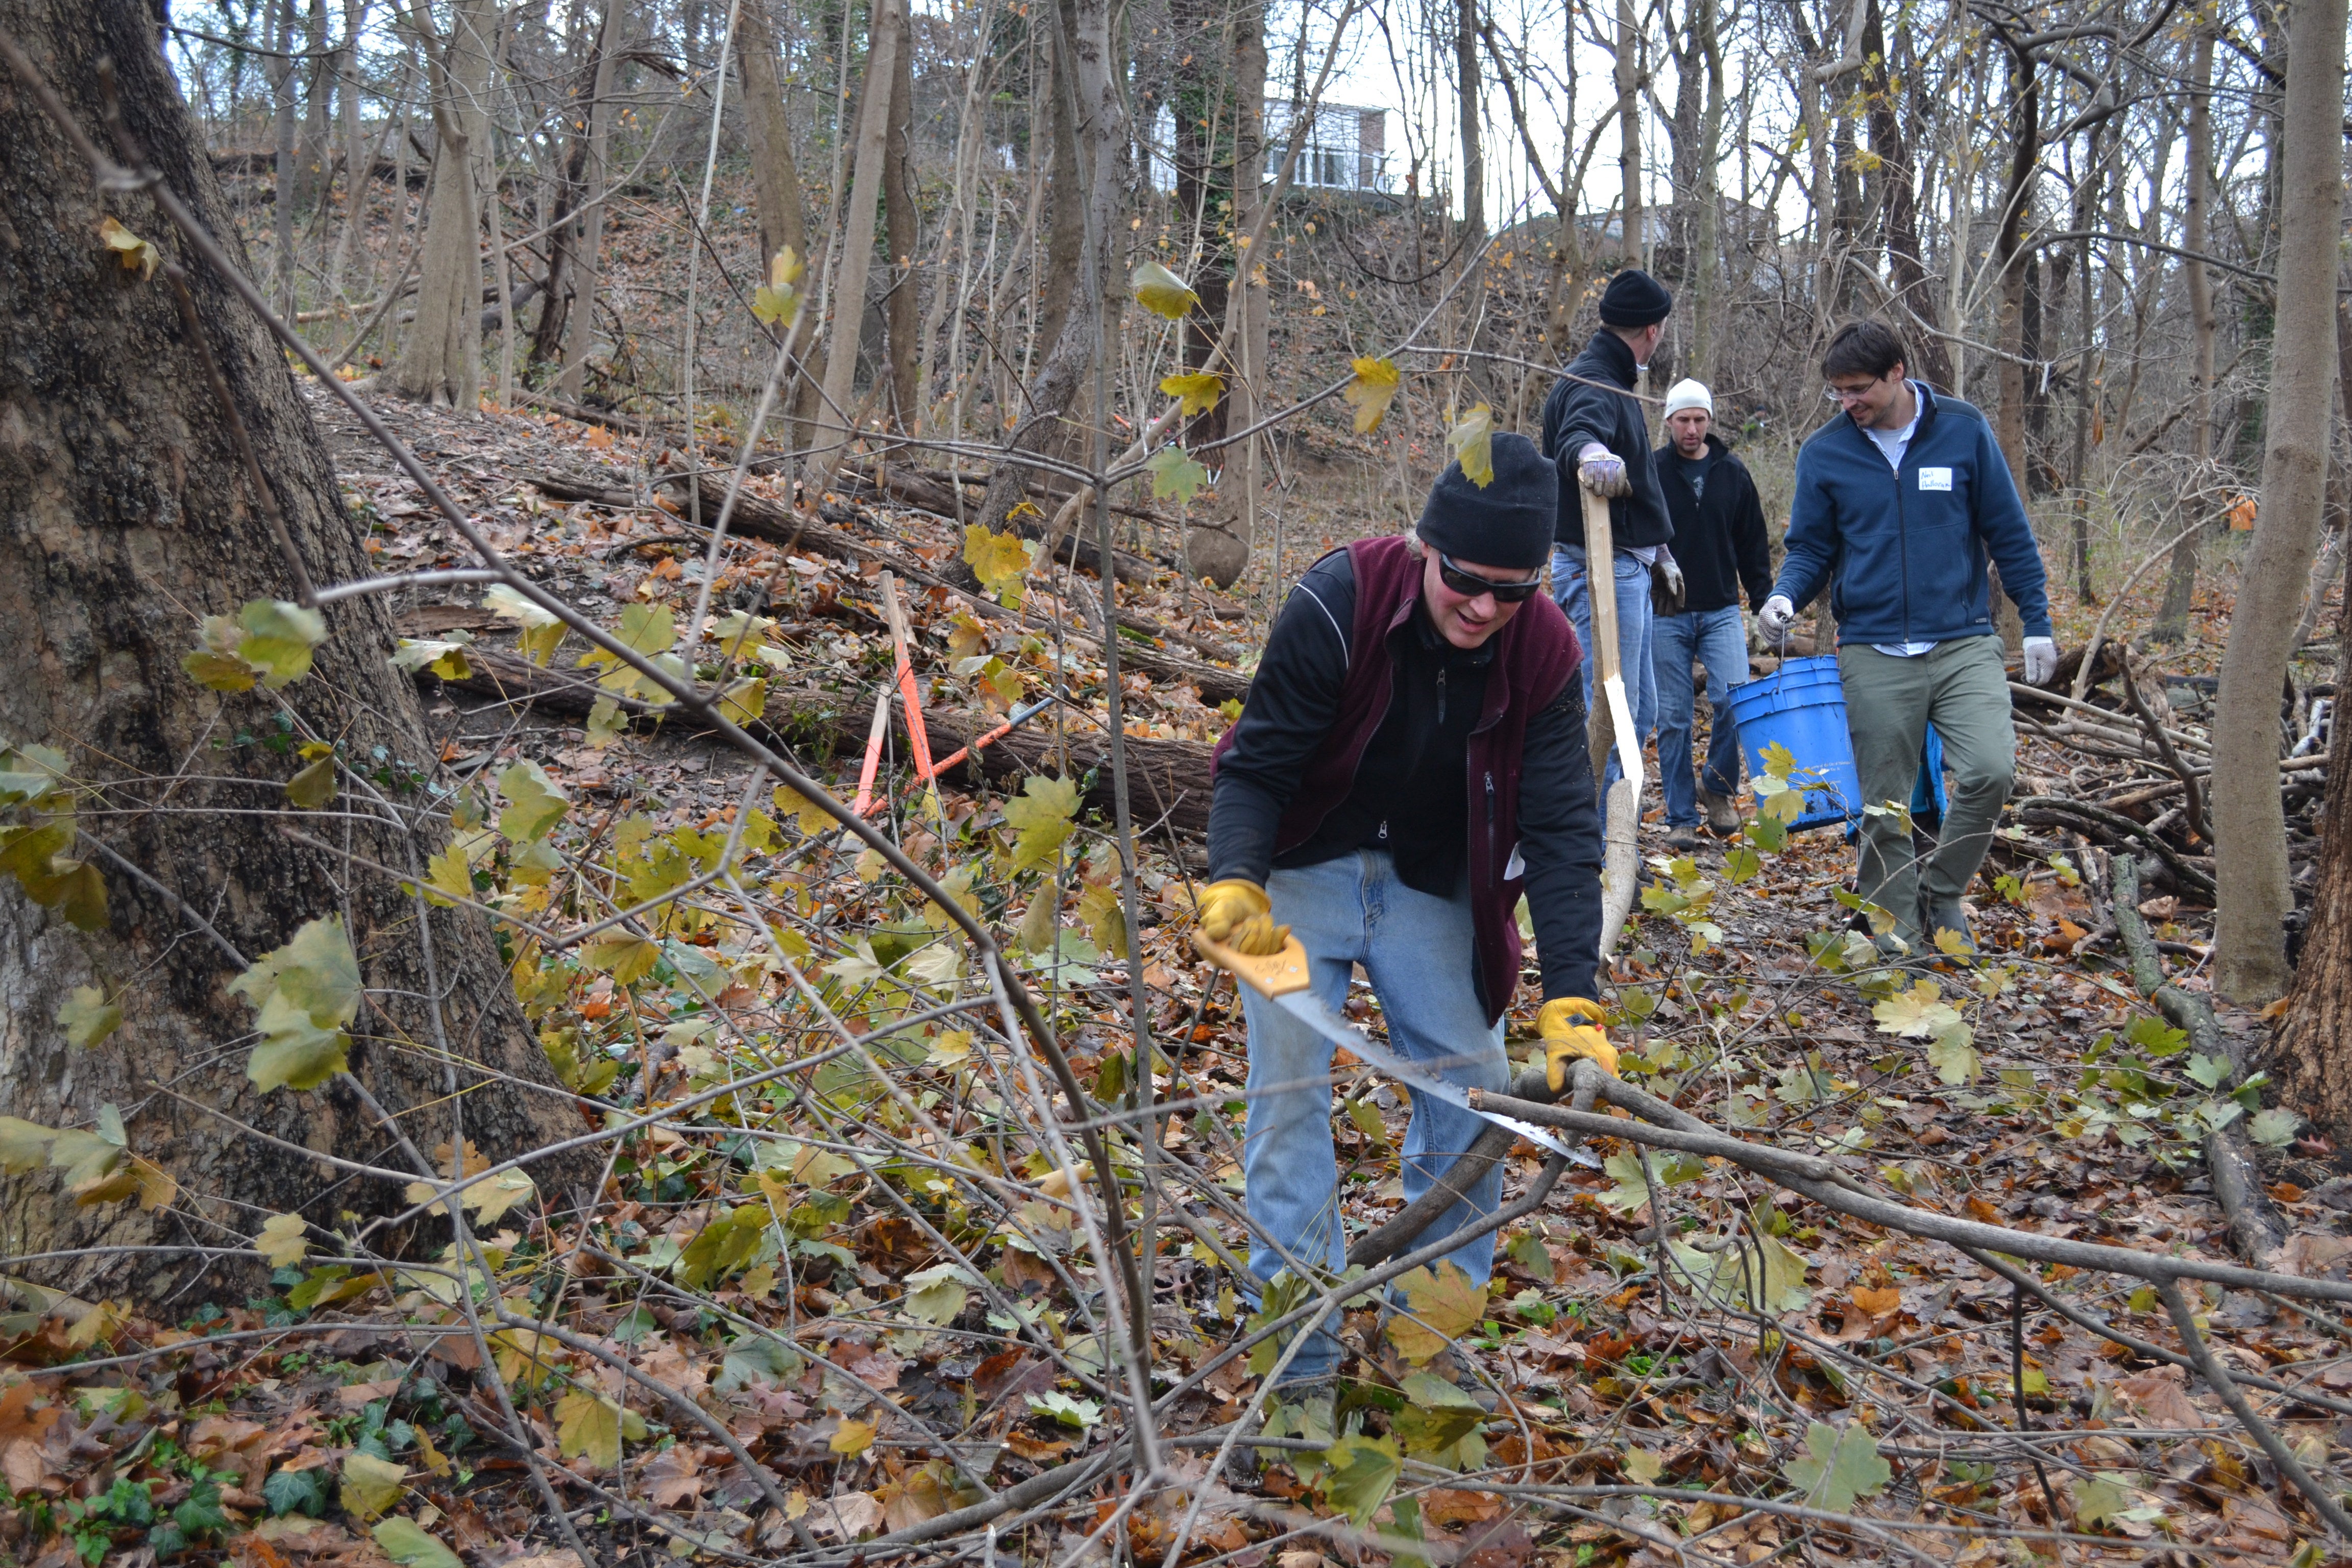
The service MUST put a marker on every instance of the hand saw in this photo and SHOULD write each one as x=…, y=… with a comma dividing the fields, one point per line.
x=1282, y=979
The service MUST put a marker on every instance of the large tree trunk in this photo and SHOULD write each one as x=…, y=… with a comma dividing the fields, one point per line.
x=904, y=313
x=1704, y=266
x=1223, y=529
x=1471, y=101
x=282, y=139
x=2249, y=819
x=1095, y=177
x=442, y=361
x=886, y=35
x=2010, y=251
x=783, y=218
x=2180, y=585
x=125, y=515
x=1065, y=234
x=588, y=264
x=1628, y=129
x=1907, y=269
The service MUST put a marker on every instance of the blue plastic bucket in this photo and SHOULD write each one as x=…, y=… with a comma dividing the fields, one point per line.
x=1801, y=705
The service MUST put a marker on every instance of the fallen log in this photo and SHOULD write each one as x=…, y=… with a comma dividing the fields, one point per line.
x=761, y=518
x=1167, y=780
x=2256, y=1229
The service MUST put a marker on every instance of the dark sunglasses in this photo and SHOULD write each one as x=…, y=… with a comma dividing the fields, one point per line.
x=1461, y=582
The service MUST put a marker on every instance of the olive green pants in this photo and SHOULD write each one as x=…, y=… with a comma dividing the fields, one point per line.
x=1961, y=688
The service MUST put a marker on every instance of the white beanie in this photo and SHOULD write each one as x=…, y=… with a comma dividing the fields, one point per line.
x=1688, y=393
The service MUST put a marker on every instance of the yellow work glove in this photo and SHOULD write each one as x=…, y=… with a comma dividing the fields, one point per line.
x=1236, y=912
x=1570, y=1027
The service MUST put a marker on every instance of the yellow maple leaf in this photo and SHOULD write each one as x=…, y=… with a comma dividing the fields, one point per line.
x=1199, y=389
x=1473, y=441
x=1162, y=293
x=1370, y=394
x=1439, y=1307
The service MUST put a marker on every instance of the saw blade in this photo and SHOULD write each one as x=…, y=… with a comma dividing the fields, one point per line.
x=1283, y=978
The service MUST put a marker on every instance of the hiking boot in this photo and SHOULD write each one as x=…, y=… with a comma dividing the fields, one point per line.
x=1722, y=812
x=1682, y=836
x=1942, y=914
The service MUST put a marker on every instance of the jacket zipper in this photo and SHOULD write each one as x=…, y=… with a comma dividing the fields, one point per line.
x=1490, y=819
x=1441, y=696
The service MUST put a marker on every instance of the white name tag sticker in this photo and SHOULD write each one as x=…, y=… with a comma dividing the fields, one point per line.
x=1935, y=478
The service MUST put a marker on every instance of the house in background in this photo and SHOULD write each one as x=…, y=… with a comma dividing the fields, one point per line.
x=1346, y=148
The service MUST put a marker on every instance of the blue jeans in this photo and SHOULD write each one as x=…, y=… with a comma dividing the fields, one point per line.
x=1417, y=948
x=1569, y=588
x=1714, y=638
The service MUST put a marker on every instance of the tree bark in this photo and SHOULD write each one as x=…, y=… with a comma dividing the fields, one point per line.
x=2181, y=585
x=282, y=135
x=1471, y=101
x=904, y=313
x=2249, y=819
x=311, y=161
x=784, y=216
x=1913, y=295
x=1065, y=232
x=1629, y=129
x=886, y=35
x=125, y=514
x=1706, y=262
x=441, y=363
x=588, y=263
x=1052, y=393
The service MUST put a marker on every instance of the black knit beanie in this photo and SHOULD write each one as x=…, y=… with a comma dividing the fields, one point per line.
x=1509, y=522
x=1635, y=298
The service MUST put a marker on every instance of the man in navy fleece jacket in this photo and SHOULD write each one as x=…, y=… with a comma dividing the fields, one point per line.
x=1901, y=500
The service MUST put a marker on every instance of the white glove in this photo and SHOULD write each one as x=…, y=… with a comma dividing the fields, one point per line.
x=1672, y=570
x=2040, y=660
x=1775, y=617
x=1601, y=471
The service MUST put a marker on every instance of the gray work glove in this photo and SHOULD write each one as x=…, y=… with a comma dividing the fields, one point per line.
x=1776, y=617
x=2040, y=660
x=1601, y=471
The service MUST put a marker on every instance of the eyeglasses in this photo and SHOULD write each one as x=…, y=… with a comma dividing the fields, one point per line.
x=1843, y=395
x=1466, y=583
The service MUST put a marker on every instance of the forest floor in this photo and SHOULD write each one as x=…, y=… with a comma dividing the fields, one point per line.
x=878, y=1384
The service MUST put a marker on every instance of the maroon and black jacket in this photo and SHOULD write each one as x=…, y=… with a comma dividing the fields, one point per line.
x=1334, y=745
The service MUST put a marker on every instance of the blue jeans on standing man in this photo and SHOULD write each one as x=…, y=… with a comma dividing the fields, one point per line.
x=1417, y=950
x=1717, y=639
x=1569, y=588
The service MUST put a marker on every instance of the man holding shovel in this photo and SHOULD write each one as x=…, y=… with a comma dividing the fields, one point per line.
x=1411, y=755
x=1595, y=432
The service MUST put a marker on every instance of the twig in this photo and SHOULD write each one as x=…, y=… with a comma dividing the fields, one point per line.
x=2217, y=1375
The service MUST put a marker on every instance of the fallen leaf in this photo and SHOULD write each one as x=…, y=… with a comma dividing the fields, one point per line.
x=2158, y=1395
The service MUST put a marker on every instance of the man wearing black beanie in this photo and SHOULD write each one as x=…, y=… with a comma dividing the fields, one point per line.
x=1594, y=431
x=1411, y=756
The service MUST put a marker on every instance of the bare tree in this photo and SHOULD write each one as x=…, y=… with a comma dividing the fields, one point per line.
x=442, y=363
x=2249, y=819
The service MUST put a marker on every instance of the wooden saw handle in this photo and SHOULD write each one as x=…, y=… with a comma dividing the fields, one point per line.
x=1269, y=974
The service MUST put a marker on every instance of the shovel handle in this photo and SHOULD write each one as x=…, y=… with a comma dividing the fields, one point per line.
x=1269, y=974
